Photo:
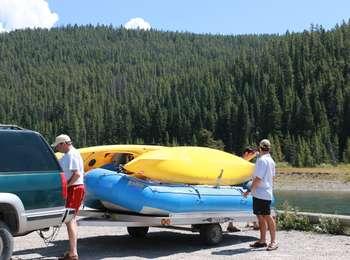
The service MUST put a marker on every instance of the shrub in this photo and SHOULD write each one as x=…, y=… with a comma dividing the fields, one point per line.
x=330, y=225
x=290, y=220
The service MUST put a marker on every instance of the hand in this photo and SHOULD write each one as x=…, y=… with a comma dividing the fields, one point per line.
x=246, y=193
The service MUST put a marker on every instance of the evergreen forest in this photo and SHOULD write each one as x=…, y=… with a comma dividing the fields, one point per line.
x=108, y=85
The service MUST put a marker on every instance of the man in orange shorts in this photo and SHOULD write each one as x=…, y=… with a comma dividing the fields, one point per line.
x=73, y=167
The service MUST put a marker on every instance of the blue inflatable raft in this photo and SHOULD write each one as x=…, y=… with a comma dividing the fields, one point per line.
x=118, y=191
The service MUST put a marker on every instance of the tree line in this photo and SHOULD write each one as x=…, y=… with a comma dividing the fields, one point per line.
x=107, y=85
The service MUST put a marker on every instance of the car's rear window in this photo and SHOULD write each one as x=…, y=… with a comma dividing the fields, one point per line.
x=25, y=151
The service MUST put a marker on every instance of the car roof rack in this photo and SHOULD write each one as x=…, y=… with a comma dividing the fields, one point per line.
x=12, y=127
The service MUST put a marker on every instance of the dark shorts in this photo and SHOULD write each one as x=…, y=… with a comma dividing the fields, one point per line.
x=261, y=207
x=75, y=197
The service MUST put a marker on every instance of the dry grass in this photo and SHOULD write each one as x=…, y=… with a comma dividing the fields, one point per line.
x=327, y=177
x=343, y=169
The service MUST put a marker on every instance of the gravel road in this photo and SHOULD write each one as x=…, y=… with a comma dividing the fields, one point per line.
x=113, y=243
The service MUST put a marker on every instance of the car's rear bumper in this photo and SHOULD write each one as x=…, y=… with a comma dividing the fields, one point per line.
x=41, y=219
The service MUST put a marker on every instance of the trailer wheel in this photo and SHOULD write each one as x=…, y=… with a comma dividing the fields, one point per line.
x=6, y=242
x=211, y=234
x=138, y=232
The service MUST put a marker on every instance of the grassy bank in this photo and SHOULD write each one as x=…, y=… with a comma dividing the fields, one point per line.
x=325, y=177
x=323, y=169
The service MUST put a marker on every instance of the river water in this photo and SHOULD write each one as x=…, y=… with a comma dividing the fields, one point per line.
x=330, y=202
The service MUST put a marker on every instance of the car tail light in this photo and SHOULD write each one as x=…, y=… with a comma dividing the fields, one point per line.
x=64, y=185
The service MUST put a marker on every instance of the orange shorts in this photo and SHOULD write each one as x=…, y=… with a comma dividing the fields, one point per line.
x=75, y=197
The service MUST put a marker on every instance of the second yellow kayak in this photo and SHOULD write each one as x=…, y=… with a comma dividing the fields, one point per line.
x=192, y=165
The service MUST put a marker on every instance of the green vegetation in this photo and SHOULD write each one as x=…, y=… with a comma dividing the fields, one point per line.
x=291, y=220
x=331, y=226
x=105, y=85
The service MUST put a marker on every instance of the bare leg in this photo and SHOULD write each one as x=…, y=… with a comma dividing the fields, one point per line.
x=72, y=235
x=262, y=228
x=272, y=227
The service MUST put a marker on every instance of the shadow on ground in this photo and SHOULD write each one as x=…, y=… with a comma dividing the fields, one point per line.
x=156, y=244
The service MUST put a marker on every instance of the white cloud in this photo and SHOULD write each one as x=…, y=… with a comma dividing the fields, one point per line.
x=137, y=23
x=20, y=14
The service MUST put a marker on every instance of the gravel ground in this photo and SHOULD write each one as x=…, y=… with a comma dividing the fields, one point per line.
x=113, y=243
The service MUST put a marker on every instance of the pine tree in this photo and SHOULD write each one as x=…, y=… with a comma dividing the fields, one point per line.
x=243, y=126
x=346, y=154
x=276, y=148
x=205, y=139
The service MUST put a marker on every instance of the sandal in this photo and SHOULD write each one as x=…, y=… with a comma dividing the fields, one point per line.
x=258, y=244
x=272, y=246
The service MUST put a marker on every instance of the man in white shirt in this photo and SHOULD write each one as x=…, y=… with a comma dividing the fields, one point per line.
x=248, y=154
x=73, y=167
x=262, y=191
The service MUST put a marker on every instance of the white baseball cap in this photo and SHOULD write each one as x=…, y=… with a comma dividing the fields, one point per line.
x=61, y=139
x=265, y=143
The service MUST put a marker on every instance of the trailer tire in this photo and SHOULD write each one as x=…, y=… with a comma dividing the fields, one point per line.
x=6, y=242
x=211, y=234
x=138, y=232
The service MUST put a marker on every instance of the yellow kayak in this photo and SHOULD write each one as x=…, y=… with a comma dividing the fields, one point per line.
x=97, y=156
x=192, y=165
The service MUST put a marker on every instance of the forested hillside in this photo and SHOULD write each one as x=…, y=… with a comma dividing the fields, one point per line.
x=105, y=85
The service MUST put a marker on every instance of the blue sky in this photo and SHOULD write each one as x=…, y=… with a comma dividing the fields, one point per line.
x=198, y=16
x=208, y=16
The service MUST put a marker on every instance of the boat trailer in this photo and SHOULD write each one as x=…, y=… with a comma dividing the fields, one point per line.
x=208, y=224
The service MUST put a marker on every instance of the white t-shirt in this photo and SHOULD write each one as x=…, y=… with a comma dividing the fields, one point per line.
x=265, y=170
x=72, y=161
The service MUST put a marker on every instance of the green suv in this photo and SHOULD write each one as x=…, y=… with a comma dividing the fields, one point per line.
x=32, y=186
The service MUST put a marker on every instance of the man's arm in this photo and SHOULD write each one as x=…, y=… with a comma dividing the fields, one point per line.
x=255, y=184
x=75, y=176
x=257, y=179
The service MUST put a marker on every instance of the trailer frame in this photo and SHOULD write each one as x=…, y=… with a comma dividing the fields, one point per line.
x=208, y=224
